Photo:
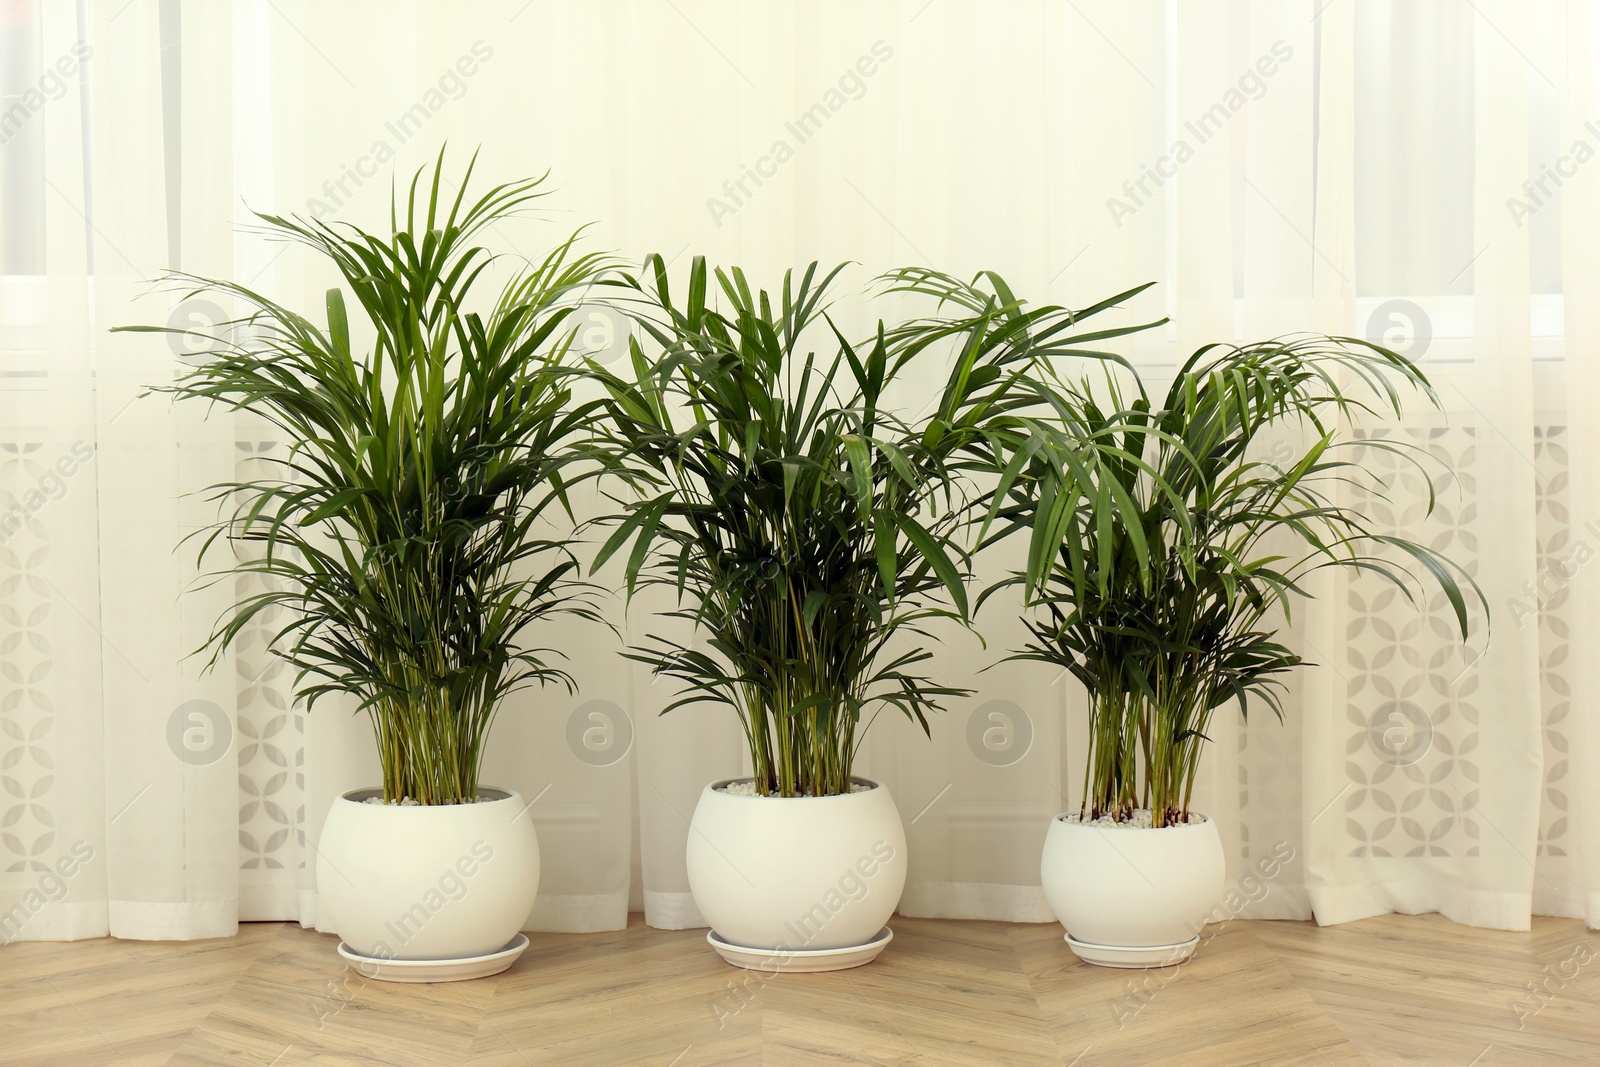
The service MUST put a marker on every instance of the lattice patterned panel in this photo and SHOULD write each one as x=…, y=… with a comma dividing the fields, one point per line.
x=1563, y=552
x=27, y=657
x=271, y=727
x=1412, y=721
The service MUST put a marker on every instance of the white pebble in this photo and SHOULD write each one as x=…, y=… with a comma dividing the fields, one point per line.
x=407, y=802
x=1140, y=820
x=746, y=787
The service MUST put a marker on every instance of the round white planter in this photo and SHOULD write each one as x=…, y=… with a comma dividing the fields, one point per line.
x=797, y=874
x=427, y=882
x=1132, y=896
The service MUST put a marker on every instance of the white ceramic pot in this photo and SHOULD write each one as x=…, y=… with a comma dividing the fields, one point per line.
x=1132, y=896
x=797, y=873
x=427, y=882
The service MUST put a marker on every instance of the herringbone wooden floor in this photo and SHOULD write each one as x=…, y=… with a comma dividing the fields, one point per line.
x=1392, y=990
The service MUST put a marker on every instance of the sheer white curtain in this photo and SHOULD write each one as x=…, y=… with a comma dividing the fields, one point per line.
x=1356, y=168
x=119, y=781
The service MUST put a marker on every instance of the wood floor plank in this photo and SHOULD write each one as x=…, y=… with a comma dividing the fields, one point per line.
x=300, y=1003
x=1420, y=989
x=74, y=995
x=1389, y=990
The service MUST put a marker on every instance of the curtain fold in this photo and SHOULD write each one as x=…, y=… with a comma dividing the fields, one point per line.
x=1424, y=175
x=1569, y=839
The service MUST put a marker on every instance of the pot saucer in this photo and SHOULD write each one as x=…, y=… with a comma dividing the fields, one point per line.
x=801, y=960
x=435, y=970
x=1132, y=956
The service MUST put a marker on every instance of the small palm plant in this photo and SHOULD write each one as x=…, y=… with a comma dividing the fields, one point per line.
x=810, y=530
x=1165, y=609
x=1161, y=647
x=402, y=529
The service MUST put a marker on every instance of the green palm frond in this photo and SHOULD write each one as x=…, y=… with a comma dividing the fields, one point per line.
x=1156, y=588
x=400, y=542
x=804, y=523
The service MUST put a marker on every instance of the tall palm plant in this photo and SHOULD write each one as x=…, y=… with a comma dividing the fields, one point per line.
x=805, y=524
x=1165, y=609
x=402, y=529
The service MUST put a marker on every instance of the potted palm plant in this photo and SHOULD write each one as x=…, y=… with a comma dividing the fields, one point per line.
x=399, y=542
x=812, y=532
x=1170, y=610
